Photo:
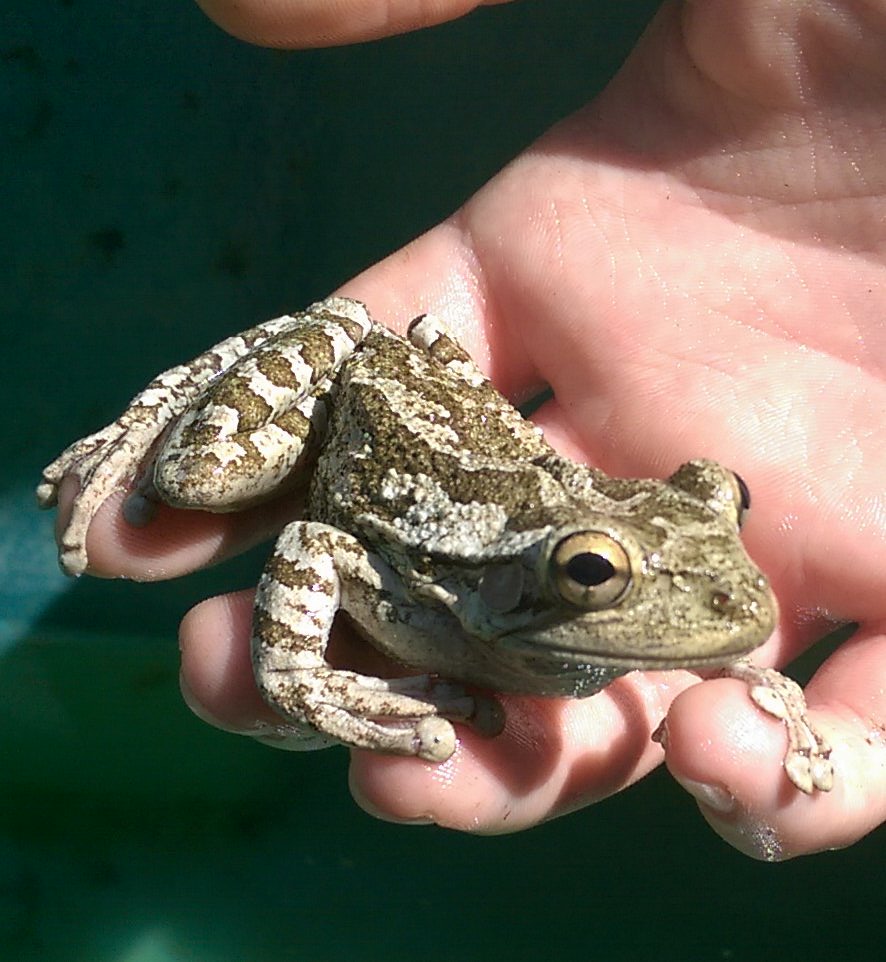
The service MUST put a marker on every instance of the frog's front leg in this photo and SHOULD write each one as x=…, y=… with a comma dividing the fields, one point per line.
x=316, y=570
x=807, y=762
x=116, y=455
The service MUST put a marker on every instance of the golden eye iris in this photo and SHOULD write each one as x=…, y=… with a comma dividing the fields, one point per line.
x=590, y=569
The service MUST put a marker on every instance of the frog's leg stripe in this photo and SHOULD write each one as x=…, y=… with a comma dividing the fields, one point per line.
x=111, y=458
x=431, y=335
x=296, y=602
x=260, y=421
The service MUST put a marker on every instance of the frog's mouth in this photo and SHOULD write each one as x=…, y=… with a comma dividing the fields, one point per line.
x=547, y=659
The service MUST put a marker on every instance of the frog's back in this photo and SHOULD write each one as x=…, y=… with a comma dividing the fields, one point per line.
x=403, y=421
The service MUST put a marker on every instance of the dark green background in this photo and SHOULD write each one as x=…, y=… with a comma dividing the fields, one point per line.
x=162, y=185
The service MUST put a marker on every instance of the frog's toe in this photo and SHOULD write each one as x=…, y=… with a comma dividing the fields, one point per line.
x=488, y=718
x=47, y=493
x=139, y=509
x=435, y=739
x=807, y=762
x=810, y=769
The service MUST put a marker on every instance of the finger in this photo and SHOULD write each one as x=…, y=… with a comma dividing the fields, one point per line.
x=555, y=755
x=728, y=755
x=216, y=667
x=174, y=542
x=318, y=23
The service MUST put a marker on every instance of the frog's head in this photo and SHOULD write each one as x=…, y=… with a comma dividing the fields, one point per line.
x=660, y=579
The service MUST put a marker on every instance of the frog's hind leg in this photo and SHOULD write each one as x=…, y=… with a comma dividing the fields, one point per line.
x=431, y=335
x=315, y=570
x=112, y=457
x=259, y=422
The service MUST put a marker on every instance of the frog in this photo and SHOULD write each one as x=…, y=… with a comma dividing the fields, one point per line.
x=444, y=527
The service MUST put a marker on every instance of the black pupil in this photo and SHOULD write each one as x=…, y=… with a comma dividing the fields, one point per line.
x=589, y=569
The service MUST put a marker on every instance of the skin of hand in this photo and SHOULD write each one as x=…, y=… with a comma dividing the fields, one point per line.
x=319, y=23
x=694, y=262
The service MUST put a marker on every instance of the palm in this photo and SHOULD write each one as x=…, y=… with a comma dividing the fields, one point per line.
x=683, y=299
x=695, y=265
x=674, y=330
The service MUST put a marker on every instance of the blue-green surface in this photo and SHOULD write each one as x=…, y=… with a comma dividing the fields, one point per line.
x=163, y=184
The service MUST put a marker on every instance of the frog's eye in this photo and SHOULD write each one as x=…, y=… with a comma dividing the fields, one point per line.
x=743, y=497
x=590, y=569
x=720, y=489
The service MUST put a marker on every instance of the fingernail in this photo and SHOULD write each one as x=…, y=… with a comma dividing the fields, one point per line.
x=289, y=738
x=751, y=837
x=384, y=816
x=200, y=710
x=191, y=700
x=711, y=796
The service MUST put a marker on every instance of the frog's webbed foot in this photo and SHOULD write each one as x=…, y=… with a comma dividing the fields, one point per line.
x=102, y=462
x=807, y=762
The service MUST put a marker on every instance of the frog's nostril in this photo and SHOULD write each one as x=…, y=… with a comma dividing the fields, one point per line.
x=721, y=601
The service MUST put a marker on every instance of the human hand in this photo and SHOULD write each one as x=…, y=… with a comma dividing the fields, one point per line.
x=705, y=240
